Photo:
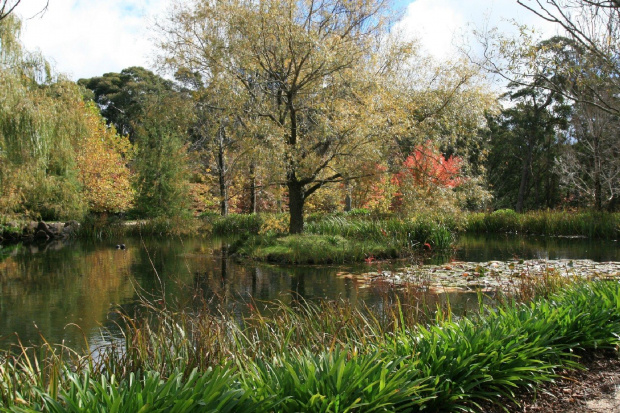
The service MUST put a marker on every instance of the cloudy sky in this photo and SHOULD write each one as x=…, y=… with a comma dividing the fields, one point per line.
x=85, y=38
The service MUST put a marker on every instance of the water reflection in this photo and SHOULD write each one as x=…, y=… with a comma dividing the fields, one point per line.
x=504, y=247
x=51, y=290
x=44, y=289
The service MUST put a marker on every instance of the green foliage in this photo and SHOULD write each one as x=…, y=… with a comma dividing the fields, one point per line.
x=333, y=382
x=212, y=391
x=122, y=96
x=161, y=169
x=166, y=226
x=359, y=212
x=404, y=234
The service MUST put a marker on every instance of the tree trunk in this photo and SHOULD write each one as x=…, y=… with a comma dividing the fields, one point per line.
x=296, y=207
x=598, y=186
x=221, y=166
x=252, y=208
x=347, y=203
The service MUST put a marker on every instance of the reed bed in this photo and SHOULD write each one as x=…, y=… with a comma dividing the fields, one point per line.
x=113, y=228
x=325, y=357
x=236, y=224
x=602, y=225
x=404, y=233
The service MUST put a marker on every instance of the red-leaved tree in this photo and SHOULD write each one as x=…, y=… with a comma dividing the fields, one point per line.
x=426, y=175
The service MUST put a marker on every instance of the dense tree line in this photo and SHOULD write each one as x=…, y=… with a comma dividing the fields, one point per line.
x=315, y=105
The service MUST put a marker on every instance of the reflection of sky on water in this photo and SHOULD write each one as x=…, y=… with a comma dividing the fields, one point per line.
x=51, y=290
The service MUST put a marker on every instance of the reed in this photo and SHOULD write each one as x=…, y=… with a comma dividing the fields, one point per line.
x=591, y=224
x=320, y=357
x=237, y=224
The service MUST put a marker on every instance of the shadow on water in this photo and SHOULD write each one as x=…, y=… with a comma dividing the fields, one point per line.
x=509, y=246
x=49, y=290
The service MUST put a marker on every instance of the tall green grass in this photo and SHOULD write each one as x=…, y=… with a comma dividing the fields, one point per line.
x=402, y=233
x=314, y=249
x=320, y=357
x=106, y=227
x=604, y=225
x=237, y=224
x=405, y=233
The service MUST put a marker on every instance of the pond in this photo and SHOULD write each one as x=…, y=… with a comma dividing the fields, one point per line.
x=65, y=292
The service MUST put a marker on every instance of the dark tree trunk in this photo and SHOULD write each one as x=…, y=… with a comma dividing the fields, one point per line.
x=221, y=166
x=598, y=186
x=252, y=207
x=296, y=207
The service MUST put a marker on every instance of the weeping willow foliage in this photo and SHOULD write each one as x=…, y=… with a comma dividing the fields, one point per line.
x=43, y=125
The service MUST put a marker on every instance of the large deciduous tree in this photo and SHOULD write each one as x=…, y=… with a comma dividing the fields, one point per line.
x=589, y=167
x=308, y=74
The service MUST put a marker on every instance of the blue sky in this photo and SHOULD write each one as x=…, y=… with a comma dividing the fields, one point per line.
x=85, y=38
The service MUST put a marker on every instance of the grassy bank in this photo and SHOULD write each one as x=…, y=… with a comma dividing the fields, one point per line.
x=319, y=358
x=332, y=238
x=313, y=249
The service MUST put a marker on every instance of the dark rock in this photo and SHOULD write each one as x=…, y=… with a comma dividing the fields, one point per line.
x=41, y=235
x=42, y=226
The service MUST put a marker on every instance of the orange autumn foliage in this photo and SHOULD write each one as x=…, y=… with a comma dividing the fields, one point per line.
x=426, y=180
x=102, y=158
x=427, y=167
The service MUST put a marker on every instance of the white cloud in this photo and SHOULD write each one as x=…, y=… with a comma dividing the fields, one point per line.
x=86, y=38
x=441, y=24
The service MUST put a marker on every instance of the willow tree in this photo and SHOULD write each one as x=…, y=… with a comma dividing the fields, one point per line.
x=46, y=131
x=309, y=73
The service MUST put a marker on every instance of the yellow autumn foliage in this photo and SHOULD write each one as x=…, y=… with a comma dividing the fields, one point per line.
x=102, y=158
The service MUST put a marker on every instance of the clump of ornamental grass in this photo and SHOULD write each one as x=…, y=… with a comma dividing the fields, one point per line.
x=165, y=226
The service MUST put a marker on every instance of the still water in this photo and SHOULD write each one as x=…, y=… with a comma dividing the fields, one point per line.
x=66, y=292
